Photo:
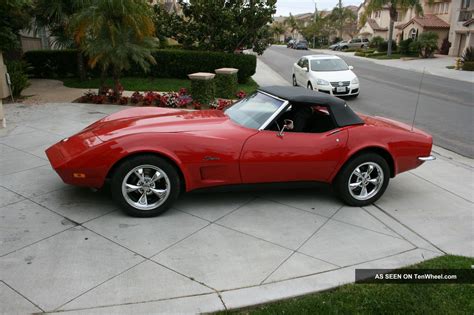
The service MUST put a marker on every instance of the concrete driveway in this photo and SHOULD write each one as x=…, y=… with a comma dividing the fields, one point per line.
x=69, y=249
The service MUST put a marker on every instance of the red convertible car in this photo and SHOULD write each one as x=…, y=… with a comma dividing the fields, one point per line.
x=276, y=135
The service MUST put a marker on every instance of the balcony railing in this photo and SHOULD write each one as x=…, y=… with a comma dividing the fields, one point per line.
x=464, y=15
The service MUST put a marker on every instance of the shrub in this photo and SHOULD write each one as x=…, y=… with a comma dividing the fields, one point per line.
x=426, y=44
x=226, y=85
x=405, y=47
x=383, y=46
x=376, y=41
x=18, y=77
x=444, y=50
x=468, y=54
x=203, y=91
x=171, y=63
x=52, y=63
x=360, y=53
x=468, y=66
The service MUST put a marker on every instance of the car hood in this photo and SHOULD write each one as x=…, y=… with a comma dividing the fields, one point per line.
x=334, y=76
x=157, y=120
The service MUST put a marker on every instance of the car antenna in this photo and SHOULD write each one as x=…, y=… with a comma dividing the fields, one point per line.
x=418, y=99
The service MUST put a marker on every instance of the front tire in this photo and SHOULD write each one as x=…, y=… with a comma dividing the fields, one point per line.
x=145, y=185
x=294, y=81
x=362, y=180
x=309, y=86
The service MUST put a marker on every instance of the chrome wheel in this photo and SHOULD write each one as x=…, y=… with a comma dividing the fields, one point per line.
x=146, y=187
x=366, y=181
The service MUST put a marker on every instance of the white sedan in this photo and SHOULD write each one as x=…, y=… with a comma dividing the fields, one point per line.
x=327, y=74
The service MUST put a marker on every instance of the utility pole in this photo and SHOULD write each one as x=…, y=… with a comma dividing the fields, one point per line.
x=314, y=22
x=340, y=18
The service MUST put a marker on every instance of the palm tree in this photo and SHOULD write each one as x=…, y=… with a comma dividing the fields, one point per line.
x=394, y=7
x=56, y=16
x=116, y=34
x=292, y=23
x=343, y=18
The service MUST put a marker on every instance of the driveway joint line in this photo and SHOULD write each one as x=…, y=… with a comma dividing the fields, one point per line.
x=304, y=242
x=434, y=184
x=99, y=284
x=393, y=230
x=133, y=303
x=23, y=296
x=404, y=225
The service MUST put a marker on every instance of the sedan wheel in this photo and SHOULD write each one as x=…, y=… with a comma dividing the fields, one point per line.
x=363, y=179
x=294, y=81
x=145, y=186
x=309, y=86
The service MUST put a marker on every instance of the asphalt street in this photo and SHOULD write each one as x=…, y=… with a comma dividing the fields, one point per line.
x=445, y=107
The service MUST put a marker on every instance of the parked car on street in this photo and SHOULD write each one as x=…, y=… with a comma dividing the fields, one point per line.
x=326, y=73
x=302, y=44
x=336, y=45
x=355, y=43
x=290, y=43
x=280, y=134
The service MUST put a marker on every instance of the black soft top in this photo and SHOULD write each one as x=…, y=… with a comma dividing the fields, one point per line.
x=342, y=113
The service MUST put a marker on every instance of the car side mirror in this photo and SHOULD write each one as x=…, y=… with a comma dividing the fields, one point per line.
x=288, y=125
x=351, y=67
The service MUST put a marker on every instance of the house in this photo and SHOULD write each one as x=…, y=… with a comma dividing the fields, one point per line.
x=436, y=19
x=462, y=27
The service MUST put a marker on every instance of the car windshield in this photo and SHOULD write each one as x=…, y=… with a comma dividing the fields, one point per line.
x=328, y=65
x=254, y=110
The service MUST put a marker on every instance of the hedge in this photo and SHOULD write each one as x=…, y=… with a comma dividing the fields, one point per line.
x=468, y=66
x=171, y=63
x=226, y=85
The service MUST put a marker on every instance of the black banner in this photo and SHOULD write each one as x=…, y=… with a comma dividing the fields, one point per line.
x=414, y=276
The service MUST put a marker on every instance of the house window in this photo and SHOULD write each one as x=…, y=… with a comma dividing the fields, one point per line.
x=413, y=34
x=465, y=4
x=446, y=7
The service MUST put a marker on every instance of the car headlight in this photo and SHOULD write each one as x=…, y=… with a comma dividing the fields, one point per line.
x=322, y=82
x=355, y=81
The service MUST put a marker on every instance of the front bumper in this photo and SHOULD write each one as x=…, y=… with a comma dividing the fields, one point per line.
x=352, y=89
x=427, y=158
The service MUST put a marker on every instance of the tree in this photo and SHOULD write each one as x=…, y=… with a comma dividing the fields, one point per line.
x=116, y=34
x=394, y=7
x=344, y=19
x=277, y=29
x=222, y=25
x=320, y=27
x=293, y=24
x=56, y=16
x=14, y=16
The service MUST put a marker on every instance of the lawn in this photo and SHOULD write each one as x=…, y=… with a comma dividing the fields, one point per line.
x=149, y=84
x=383, y=57
x=384, y=298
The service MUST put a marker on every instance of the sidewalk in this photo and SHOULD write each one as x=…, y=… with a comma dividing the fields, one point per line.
x=435, y=66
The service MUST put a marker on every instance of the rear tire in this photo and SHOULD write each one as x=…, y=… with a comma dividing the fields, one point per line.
x=362, y=180
x=145, y=185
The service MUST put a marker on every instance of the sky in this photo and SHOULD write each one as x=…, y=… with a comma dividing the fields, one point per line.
x=284, y=7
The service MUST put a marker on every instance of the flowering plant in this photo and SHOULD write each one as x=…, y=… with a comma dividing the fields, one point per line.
x=220, y=104
x=151, y=98
x=136, y=97
x=241, y=94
